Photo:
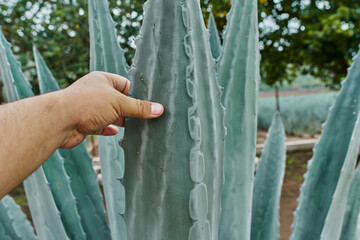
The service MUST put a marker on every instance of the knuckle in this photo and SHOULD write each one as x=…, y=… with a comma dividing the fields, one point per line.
x=141, y=107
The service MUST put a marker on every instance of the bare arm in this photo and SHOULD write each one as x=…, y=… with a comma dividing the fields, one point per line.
x=32, y=129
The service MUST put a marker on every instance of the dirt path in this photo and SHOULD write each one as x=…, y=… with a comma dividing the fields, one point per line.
x=295, y=169
x=291, y=93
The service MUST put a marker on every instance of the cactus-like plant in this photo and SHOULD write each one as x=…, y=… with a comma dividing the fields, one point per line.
x=13, y=222
x=47, y=223
x=174, y=164
x=173, y=171
x=53, y=168
x=78, y=165
x=239, y=75
x=335, y=217
x=267, y=184
x=351, y=218
x=215, y=42
x=329, y=156
x=107, y=55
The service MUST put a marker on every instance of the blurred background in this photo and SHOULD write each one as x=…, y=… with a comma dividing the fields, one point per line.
x=306, y=48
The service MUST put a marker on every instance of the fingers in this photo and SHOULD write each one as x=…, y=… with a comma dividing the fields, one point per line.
x=120, y=83
x=108, y=131
x=120, y=122
x=131, y=107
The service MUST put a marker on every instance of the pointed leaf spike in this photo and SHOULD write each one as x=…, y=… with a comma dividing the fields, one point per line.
x=239, y=74
x=215, y=42
x=328, y=159
x=47, y=223
x=335, y=217
x=78, y=165
x=47, y=82
x=107, y=55
x=174, y=193
x=267, y=185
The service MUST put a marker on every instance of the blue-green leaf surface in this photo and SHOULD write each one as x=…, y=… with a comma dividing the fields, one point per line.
x=267, y=184
x=3, y=234
x=173, y=170
x=239, y=75
x=65, y=201
x=351, y=224
x=55, y=172
x=14, y=221
x=107, y=55
x=47, y=223
x=329, y=155
x=335, y=217
x=215, y=42
x=78, y=165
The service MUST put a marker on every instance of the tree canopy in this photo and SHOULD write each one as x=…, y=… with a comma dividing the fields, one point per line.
x=296, y=36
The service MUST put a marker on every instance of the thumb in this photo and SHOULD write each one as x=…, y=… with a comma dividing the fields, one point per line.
x=131, y=107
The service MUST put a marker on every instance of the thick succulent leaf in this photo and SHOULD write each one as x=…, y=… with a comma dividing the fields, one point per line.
x=351, y=221
x=239, y=75
x=55, y=171
x=329, y=155
x=6, y=75
x=112, y=171
x=78, y=165
x=3, y=234
x=106, y=55
x=65, y=201
x=105, y=51
x=14, y=221
x=215, y=42
x=47, y=223
x=335, y=217
x=47, y=81
x=267, y=184
x=16, y=87
x=173, y=171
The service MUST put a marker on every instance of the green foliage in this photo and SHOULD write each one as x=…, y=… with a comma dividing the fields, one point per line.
x=329, y=155
x=267, y=184
x=304, y=113
x=317, y=37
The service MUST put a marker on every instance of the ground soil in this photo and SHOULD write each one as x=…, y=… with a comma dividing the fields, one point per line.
x=295, y=169
x=291, y=93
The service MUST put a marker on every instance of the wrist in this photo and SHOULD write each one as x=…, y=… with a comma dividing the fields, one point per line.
x=62, y=106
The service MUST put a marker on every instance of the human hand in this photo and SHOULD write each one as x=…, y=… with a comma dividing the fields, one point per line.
x=99, y=99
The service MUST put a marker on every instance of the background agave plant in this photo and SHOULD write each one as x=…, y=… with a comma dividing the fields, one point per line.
x=171, y=186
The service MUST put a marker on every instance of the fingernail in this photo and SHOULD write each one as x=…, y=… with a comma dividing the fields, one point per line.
x=156, y=109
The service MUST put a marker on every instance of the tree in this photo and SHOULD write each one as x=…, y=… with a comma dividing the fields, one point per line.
x=316, y=37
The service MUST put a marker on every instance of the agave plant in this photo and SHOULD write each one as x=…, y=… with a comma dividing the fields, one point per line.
x=172, y=183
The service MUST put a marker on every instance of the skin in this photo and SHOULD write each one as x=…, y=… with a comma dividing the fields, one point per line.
x=35, y=127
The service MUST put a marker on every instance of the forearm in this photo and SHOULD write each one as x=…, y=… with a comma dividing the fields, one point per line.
x=31, y=130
